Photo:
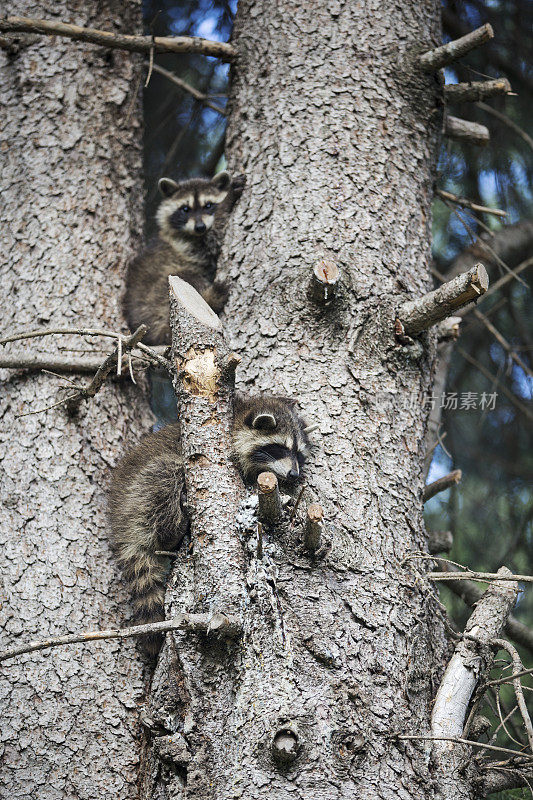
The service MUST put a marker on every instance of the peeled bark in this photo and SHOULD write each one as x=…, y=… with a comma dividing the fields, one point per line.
x=72, y=212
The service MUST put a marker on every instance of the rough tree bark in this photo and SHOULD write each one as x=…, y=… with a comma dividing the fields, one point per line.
x=336, y=130
x=71, y=215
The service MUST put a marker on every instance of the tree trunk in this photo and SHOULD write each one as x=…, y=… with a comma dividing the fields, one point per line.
x=72, y=214
x=336, y=130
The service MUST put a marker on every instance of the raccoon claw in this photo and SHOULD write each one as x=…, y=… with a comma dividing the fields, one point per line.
x=238, y=183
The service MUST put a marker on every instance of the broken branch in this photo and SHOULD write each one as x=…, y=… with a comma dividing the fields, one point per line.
x=136, y=44
x=415, y=316
x=268, y=496
x=314, y=526
x=452, y=51
x=468, y=664
x=441, y=484
x=463, y=130
x=475, y=90
x=449, y=329
x=324, y=281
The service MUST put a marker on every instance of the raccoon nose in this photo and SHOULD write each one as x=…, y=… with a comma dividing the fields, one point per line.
x=293, y=474
x=200, y=227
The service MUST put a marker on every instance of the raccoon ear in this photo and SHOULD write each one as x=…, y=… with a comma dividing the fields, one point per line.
x=167, y=187
x=221, y=181
x=264, y=422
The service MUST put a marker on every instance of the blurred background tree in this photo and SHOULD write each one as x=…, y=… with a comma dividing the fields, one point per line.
x=491, y=512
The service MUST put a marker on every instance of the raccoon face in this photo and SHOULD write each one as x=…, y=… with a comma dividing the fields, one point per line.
x=188, y=208
x=269, y=436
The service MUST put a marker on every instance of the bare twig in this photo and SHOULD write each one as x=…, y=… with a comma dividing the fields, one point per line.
x=109, y=364
x=204, y=623
x=469, y=742
x=475, y=90
x=517, y=666
x=151, y=352
x=501, y=386
x=441, y=484
x=136, y=44
x=462, y=201
x=506, y=121
x=269, y=497
x=463, y=130
x=478, y=576
x=452, y=51
x=503, y=341
x=189, y=89
x=415, y=316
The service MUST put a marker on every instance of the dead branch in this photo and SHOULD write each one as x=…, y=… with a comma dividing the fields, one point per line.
x=439, y=542
x=441, y=484
x=471, y=594
x=415, y=316
x=112, y=360
x=452, y=51
x=462, y=201
x=153, y=353
x=198, y=623
x=203, y=98
x=503, y=342
x=449, y=329
x=314, y=526
x=269, y=497
x=468, y=664
x=135, y=44
x=477, y=576
x=324, y=281
x=462, y=130
x=501, y=779
x=475, y=90
x=519, y=694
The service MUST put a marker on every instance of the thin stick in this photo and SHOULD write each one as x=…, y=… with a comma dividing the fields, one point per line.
x=477, y=576
x=506, y=121
x=517, y=666
x=452, y=51
x=441, y=484
x=188, y=88
x=462, y=201
x=469, y=742
x=501, y=386
x=150, y=352
x=136, y=44
x=204, y=623
x=503, y=341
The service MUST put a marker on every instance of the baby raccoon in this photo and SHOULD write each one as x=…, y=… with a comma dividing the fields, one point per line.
x=190, y=219
x=146, y=496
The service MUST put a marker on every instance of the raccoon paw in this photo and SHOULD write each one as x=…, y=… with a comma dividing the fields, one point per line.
x=237, y=185
x=217, y=295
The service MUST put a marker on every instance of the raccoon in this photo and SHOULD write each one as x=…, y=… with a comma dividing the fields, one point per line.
x=191, y=219
x=147, y=500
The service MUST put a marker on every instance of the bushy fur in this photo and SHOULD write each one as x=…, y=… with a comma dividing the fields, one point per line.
x=147, y=490
x=187, y=244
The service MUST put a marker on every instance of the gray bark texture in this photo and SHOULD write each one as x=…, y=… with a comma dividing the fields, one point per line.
x=336, y=131
x=71, y=216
